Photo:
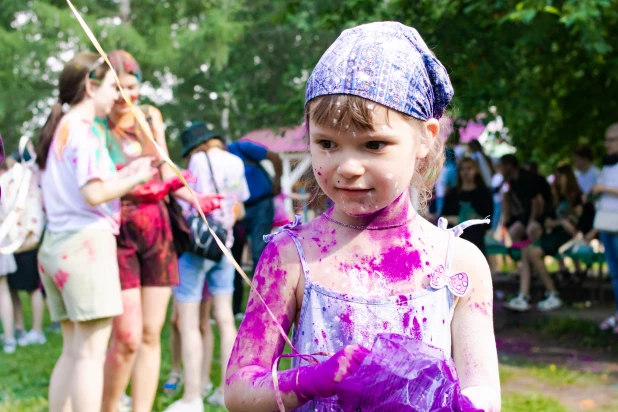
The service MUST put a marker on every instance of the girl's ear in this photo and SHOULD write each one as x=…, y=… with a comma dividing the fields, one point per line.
x=91, y=87
x=430, y=130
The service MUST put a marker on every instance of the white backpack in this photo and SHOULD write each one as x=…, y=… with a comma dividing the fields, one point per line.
x=21, y=209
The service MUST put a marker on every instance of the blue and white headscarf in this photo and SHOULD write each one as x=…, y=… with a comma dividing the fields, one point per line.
x=387, y=63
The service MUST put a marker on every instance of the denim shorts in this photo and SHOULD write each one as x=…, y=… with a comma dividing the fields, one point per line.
x=195, y=270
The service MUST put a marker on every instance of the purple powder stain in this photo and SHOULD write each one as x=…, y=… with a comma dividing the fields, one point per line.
x=324, y=334
x=385, y=325
x=443, y=321
x=423, y=308
x=319, y=173
x=424, y=320
x=397, y=263
x=426, y=263
x=402, y=300
x=416, y=329
x=406, y=320
x=316, y=341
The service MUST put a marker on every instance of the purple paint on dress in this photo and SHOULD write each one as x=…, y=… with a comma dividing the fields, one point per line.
x=416, y=329
x=406, y=320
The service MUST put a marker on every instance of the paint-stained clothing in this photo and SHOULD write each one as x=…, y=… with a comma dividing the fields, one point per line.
x=77, y=155
x=146, y=254
x=330, y=320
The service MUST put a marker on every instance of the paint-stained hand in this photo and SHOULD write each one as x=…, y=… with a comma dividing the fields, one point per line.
x=209, y=202
x=320, y=381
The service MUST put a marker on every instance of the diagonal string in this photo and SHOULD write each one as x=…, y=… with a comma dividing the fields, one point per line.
x=140, y=117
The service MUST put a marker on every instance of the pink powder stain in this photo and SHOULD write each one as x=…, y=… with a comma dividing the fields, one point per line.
x=41, y=270
x=64, y=257
x=416, y=329
x=324, y=334
x=90, y=249
x=398, y=263
x=60, y=277
x=483, y=307
x=402, y=300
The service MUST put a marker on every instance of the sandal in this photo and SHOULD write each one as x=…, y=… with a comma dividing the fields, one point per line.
x=609, y=323
x=173, y=384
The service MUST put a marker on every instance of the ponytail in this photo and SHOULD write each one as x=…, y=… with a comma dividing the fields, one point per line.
x=46, y=135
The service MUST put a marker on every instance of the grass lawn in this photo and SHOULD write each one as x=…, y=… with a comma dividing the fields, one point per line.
x=526, y=387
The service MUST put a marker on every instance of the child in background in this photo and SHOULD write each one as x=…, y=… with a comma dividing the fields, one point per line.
x=369, y=264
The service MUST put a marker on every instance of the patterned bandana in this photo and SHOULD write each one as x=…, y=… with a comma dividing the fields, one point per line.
x=387, y=63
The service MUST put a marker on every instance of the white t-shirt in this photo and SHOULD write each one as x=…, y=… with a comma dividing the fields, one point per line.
x=229, y=175
x=586, y=180
x=496, y=181
x=608, y=177
x=76, y=156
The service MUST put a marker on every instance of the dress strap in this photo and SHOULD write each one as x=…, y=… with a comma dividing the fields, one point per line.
x=290, y=230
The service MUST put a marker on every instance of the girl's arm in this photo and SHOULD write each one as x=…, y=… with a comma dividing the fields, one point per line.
x=98, y=191
x=474, y=343
x=249, y=382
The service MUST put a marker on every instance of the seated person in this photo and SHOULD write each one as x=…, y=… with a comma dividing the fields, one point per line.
x=572, y=218
x=527, y=203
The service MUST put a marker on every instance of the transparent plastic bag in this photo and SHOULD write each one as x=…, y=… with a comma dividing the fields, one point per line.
x=403, y=374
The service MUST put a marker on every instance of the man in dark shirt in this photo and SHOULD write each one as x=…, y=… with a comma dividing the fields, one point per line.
x=527, y=203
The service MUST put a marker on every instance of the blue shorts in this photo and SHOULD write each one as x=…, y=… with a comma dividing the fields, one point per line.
x=195, y=270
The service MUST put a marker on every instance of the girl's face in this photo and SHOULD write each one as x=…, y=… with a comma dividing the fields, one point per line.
x=104, y=94
x=130, y=85
x=467, y=171
x=365, y=171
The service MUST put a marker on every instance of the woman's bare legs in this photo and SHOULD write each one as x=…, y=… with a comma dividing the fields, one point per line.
x=535, y=257
x=145, y=377
x=77, y=380
x=6, y=308
x=208, y=341
x=224, y=317
x=60, y=381
x=126, y=340
x=189, y=314
x=38, y=307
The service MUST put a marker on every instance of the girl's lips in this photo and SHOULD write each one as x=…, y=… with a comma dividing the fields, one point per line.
x=353, y=192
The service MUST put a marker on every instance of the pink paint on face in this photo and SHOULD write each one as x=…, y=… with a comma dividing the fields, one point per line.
x=60, y=278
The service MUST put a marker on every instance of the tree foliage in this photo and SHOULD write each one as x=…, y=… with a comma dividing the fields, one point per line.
x=549, y=66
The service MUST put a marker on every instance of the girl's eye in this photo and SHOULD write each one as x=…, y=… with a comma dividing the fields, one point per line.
x=326, y=144
x=375, y=145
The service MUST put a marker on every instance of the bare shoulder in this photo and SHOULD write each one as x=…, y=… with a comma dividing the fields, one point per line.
x=469, y=259
x=281, y=251
x=154, y=113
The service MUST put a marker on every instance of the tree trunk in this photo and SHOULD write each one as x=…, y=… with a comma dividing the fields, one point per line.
x=125, y=10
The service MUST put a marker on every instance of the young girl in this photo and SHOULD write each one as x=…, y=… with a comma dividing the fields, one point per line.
x=77, y=259
x=364, y=267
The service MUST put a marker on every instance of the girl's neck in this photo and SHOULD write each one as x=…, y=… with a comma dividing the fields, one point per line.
x=467, y=186
x=398, y=212
x=121, y=119
x=84, y=109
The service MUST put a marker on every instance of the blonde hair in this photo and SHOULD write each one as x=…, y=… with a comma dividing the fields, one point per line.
x=335, y=111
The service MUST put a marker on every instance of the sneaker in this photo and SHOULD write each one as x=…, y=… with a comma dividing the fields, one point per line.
x=9, y=346
x=32, y=338
x=552, y=302
x=206, y=389
x=125, y=404
x=609, y=323
x=18, y=334
x=173, y=384
x=196, y=405
x=519, y=304
x=216, y=398
x=239, y=316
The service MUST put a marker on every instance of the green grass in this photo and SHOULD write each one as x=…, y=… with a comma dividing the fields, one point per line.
x=528, y=402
